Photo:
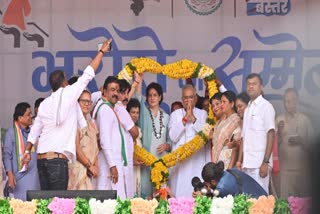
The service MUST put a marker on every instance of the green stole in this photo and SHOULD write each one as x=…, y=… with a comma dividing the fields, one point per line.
x=123, y=147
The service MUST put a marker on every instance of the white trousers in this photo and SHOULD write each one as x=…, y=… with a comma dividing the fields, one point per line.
x=103, y=181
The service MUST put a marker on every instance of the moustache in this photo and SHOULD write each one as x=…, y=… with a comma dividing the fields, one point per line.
x=125, y=100
x=115, y=96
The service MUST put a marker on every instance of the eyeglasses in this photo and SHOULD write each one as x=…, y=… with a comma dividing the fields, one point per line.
x=188, y=97
x=86, y=102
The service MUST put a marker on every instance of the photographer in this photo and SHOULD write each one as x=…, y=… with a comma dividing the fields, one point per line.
x=220, y=182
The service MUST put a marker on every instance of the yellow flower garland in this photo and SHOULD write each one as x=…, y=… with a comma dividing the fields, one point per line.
x=182, y=69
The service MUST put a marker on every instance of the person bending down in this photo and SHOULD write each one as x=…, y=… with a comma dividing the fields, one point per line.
x=229, y=182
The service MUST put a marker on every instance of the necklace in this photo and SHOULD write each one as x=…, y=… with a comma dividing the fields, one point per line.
x=156, y=134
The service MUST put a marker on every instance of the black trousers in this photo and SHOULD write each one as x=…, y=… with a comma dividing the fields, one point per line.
x=53, y=174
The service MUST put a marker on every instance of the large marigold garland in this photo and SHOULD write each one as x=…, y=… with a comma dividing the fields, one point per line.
x=182, y=69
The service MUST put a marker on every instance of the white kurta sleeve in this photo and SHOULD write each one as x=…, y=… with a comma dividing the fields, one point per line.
x=95, y=96
x=71, y=94
x=269, y=118
x=176, y=127
x=106, y=117
x=125, y=118
x=201, y=120
x=36, y=130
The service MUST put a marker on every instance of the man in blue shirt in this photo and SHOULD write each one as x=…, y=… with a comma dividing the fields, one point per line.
x=229, y=182
x=20, y=177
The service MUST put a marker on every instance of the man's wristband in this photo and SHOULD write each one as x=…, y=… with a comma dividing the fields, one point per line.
x=136, y=81
x=101, y=51
x=266, y=160
x=27, y=151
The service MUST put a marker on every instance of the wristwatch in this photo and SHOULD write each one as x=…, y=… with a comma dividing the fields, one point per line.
x=27, y=151
x=266, y=160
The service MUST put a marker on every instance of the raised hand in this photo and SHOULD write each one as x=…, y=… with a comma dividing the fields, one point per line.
x=106, y=46
x=137, y=77
x=190, y=116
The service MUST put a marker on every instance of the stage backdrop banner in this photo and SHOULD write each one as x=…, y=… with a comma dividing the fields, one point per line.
x=277, y=38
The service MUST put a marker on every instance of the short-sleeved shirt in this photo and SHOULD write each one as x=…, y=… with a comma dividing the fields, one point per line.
x=259, y=118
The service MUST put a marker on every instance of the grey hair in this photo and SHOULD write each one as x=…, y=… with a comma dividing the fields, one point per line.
x=189, y=86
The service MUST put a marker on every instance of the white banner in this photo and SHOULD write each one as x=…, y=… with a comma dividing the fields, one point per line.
x=277, y=38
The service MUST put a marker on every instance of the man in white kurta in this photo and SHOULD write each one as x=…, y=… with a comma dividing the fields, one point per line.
x=111, y=161
x=258, y=133
x=184, y=124
x=130, y=132
x=56, y=125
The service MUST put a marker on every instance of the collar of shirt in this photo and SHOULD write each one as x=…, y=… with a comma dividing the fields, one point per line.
x=295, y=115
x=119, y=103
x=256, y=101
x=26, y=130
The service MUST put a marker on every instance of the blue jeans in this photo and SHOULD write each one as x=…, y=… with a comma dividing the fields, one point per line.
x=53, y=174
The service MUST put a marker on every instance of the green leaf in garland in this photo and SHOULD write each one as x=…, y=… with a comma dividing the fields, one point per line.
x=281, y=207
x=123, y=207
x=196, y=71
x=42, y=206
x=211, y=77
x=241, y=204
x=82, y=206
x=210, y=121
x=133, y=68
x=163, y=207
x=203, y=205
x=203, y=136
x=5, y=206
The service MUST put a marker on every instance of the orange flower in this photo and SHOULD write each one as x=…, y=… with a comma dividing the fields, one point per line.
x=262, y=205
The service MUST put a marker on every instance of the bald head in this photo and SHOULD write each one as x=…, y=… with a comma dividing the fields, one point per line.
x=291, y=100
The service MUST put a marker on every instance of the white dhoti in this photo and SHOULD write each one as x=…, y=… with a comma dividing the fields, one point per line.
x=129, y=180
x=183, y=173
x=103, y=182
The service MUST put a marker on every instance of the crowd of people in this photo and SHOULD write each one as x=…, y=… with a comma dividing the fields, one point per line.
x=79, y=140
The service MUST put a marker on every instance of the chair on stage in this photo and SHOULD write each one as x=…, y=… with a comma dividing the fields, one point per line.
x=86, y=194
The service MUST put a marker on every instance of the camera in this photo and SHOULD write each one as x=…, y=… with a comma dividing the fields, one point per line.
x=198, y=185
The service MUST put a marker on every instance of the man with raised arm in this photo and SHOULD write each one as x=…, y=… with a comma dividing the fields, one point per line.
x=55, y=126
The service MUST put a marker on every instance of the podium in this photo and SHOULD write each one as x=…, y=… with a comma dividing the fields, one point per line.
x=86, y=194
